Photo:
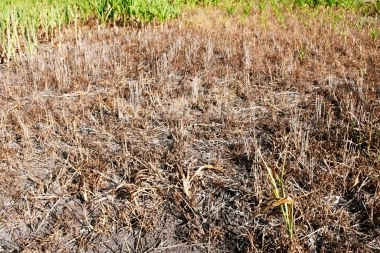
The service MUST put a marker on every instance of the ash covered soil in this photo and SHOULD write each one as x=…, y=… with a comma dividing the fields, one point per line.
x=103, y=138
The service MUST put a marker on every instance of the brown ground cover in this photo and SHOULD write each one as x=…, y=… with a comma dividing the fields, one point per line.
x=102, y=137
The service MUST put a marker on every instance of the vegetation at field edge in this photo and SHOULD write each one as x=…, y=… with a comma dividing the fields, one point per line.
x=23, y=24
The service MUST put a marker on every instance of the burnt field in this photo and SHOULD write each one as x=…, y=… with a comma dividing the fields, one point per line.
x=159, y=138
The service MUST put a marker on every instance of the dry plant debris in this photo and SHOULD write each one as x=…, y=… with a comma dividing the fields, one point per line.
x=145, y=139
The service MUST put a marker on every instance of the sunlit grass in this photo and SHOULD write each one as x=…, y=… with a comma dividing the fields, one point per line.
x=23, y=24
x=281, y=199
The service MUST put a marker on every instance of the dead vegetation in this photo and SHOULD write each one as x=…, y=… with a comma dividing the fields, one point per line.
x=145, y=139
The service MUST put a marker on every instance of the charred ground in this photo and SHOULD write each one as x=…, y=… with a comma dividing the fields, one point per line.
x=99, y=133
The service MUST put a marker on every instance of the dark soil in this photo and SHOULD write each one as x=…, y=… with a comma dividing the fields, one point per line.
x=100, y=134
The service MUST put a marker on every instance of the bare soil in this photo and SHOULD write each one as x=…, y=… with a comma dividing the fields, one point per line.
x=100, y=133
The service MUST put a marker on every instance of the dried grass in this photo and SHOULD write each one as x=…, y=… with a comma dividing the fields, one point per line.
x=105, y=140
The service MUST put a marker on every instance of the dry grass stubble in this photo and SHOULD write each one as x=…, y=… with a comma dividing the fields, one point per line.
x=101, y=135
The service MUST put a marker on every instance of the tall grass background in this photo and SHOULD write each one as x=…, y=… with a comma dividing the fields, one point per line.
x=25, y=23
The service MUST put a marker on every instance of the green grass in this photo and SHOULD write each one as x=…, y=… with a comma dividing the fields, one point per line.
x=24, y=23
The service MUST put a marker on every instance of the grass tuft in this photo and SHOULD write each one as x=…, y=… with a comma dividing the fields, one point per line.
x=281, y=199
